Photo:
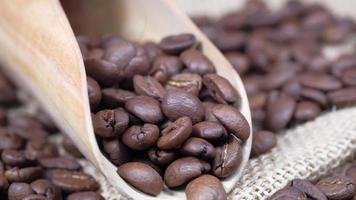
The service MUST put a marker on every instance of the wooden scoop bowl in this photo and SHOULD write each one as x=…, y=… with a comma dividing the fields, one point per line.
x=39, y=51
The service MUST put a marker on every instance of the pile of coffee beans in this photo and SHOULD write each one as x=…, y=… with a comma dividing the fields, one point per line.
x=162, y=114
x=31, y=167
x=279, y=56
x=339, y=185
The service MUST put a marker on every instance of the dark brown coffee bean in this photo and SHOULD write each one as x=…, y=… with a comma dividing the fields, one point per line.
x=26, y=174
x=309, y=189
x=228, y=158
x=142, y=177
x=30, y=133
x=72, y=181
x=205, y=187
x=175, y=44
x=175, y=133
x=288, y=193
x=94, y=92
x=103, y=71
x=257, y=100
x=178, y=104
x=95, y=54
x=349, y=77
x=3, y=116
x=262, y=142
x=39, y=149
x=8, y=139
x=252, y=84
x=109, y=123
x=165, y=66
x=110, y=40
x=314, y=95
x=232, y=119
x=279, y=112
x=306, y=110
x=239, y=61
x=319, y=64
x=343, y=97
x=152, y=50
x=59, y=163
x=198, y=147
x=277, y=77
x=183, y=170
x=116, y=97
x=196, y=62
x=14, y=157
x=35, y=197
x=85, y=196
x=146, y=108
x=8, y=92
x=118, y=153
x=25, y=121
x=46, y=120
x=337, y=187
x=4, y=183
x=344, y=62
x=141, y=137
x=320, y=82
x=220, y=88
x=186, y=81
x=211, y=131
x=146, y=85
x=161, y=157
x=47, y=189
x=292, y=88
x=18, y=191
x=70, y=148
x=230, y=40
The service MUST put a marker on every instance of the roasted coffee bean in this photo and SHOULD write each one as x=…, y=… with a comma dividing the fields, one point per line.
x=288, y=193
x=175, y=134
x=183, y=170
x=252, y=84
x=59, y=163
x=30, y=133
x=343, y=97
x=175, y=44
x=103, y=71
x=118, y=153
x=47, y=189
x=292, y=88
x=147, y=85
x=228, y=158
x=116, y=97
x=26, y=174
x=240, y=62
x=198, y=147
x=220, y=88
x=18, y=191
x=176, y=104
x=110, y=40
x=314, y=95
x=8, y=92
x=309, y=189
x=211, y=131
x=9, y=140
x=85, y=196
x=72, y=181
x=4, y=183
x=34, y=197
x=320, y=82
x=161, y=157
x=141, y=137
x=13, y=157
x=142, y=177
x=39, y=149
x=95, y=54
x=70, y=148
x=262, y=142
x=205, y=187
x=24, y=121
x=277, y=77
x=94, y=92
x=306, y=110
x=165, y=66
x=257, y=100
x=186, y=81
x=109, y=123
x=230, y=40
x=46, y=121
x=279, y=112
x=197, y=62
x=145, y=108
x=349, y=77
x=337, y=187
x=152, y=50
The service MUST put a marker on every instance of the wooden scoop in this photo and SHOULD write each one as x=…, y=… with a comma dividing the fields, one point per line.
x=40, y=52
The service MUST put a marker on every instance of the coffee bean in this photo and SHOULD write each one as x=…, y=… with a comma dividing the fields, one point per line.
x=94, y=92
x=85, y=196
x=161, y=157
x=4, y=183
x=95, y=53
x=117, y=152
x=29, y=133
x=59, y=163
x=141, y=137
x=8, y=92
x=175, y=134
x=109, y=123
x=228, y=158
x=103, y=71
x=39, y=149
x=13, y=157
x=288, y=193
x=26, y=174
x=279, y=112
x=8, y=140
x=314, y=95
x=292, y=88
x=178, y=104
x=183, y=170
x=72, y=181
x=198, y=147
x=306, y=110
x=47, y=189
x=309, y=189
x=196, y=62
x=142, y=177
x=25, y=121
x=257, y=100
x=252, y=84
x=70, y=148
x=175, y=44
x=186, y=81
x=146, y=108
x=262, y=142
x=165, y=66
x=147, y=85
x=205, y=187
x=220, y=88
x=110, y=40
x=337, y=187
x=320, y=82
x=240, y=62
x=343, y=97
x=343, y=63
x=116, y=97
x=152, y=50
x=18, y=191
x=211, y=131
x=277, y=77
x=34, y=197
x=349, y=77
x=46, y=121
x=230, y=40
